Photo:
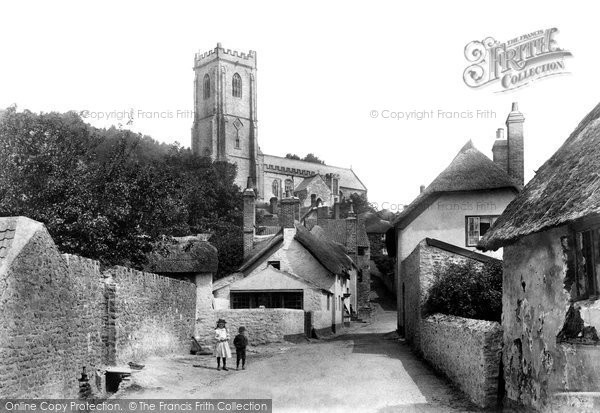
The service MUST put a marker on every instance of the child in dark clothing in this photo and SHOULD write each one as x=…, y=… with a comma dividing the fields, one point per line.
x=241, y=342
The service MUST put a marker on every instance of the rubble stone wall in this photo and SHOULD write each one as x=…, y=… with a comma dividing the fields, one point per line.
x=153, y=315
x=467, y=351
x=263, y=326
x=60, y=313
x=51, y=318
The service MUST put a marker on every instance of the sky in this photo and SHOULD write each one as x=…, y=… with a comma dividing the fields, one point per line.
x=324, y=68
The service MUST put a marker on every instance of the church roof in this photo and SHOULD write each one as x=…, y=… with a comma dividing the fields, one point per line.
x=470, y=170
x=564, y=189
x=348, y=178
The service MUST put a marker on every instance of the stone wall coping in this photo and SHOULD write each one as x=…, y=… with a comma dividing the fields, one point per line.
x=483, y=326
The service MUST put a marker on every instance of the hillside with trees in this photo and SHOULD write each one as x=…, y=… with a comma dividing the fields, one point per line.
x=110, y=194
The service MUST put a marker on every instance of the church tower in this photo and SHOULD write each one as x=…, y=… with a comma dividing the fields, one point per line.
x=225, y=125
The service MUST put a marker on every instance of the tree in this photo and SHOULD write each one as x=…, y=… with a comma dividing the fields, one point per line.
x=308, y=158
x=359, y=203
x=313, y=158
x=109, y=194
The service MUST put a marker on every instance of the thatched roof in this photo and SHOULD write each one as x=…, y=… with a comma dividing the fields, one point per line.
x=374, y=224
x=335, y=230
x=330, y=255
x=259, y=250
x=564, y=189
x=183, y=255
x=470, y=170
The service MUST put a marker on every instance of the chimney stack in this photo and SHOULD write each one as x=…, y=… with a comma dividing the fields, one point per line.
x=514, y=128
x=249, y=220
x=289, y=212
x=351, y=234
x=422, y=189
x=500, y=150
x=273, y=205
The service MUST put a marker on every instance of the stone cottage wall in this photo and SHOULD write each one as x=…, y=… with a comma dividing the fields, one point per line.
x=467, y=351
x=537, y=364
x=153, y=315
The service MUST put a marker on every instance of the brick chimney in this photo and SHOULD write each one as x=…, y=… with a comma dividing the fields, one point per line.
x=249, y=220
x=500, y=150
x=351, y=234
x=422, y=189
x=289, y=211
x=514, y=127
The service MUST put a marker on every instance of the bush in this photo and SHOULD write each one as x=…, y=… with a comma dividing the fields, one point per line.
x=467, y=290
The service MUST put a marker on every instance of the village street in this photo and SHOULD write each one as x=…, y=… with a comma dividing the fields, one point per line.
x=364, y=370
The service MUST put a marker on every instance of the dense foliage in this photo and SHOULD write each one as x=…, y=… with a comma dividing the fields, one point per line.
x=467, y=290
x=359, y=203
x=109, y=194
x=308, y=158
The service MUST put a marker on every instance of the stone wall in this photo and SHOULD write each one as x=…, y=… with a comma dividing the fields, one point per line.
x=50, y=318
x=535, y=303
x=60, y=313
x=263, y=326
x=417, y=275
x=467, y=351
x=153, y=315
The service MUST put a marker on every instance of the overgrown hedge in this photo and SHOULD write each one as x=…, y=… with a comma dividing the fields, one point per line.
x=467, y=290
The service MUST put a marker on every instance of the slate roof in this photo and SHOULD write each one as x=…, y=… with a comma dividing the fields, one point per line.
x=348, y=178
x=564, y=189
x=330, y=255
x=8, y=227
x=183, y=255
x=470, y=170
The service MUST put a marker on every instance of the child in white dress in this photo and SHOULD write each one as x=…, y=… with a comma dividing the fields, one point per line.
x=222, y=349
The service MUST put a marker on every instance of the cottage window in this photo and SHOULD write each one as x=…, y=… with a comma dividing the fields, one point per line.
x=274, y=264
x=236, y=84
x=587, y=264
x=476, y=227
x=268, y=299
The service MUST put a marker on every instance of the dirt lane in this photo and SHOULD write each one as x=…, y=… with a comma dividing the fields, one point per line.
x=360, y=371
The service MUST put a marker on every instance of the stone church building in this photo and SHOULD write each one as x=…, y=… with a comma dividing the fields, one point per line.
x=225, y=128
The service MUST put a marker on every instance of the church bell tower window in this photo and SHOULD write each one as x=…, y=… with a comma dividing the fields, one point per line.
x=236, y=84
x=206, y=86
